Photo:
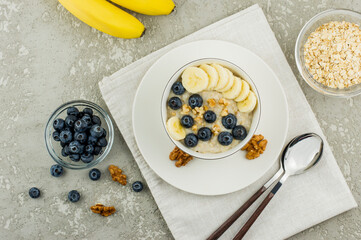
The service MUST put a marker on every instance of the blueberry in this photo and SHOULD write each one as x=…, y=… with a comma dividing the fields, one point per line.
x=195, y=101
x=102, y=142
x=96, y=120
x=75, y=157
x=87, y=118
x=175, y=103
x=137, y=186
x=72, y=111
x=81, y=137
x=191, y=140
x=75, y=147
x=56, y=170
x=87, y=157
x=187, y=121
x=62, y=144
x=80, y=125
x=94, y=174
x=65, y=151
x=73, y=196
x=56, y=136
x=209, y=116
x=97, y=150
x=58, y=124
x=239, y=132
x=88, y=111
x=225, y=138
x=66, y=136
x=104, y=133
x=96, y=131
x=204, y=134
x=34, y=192
x=92, y=140
x=178, y=88
x=89, y=149
x=229, y=121
x=70, y=120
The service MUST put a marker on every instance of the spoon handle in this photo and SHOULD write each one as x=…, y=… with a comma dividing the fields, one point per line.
x=257, y=213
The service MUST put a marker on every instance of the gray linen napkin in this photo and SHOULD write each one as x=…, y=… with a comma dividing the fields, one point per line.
x=302, y=202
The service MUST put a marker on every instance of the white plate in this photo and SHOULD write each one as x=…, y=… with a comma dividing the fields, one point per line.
x=209, y=177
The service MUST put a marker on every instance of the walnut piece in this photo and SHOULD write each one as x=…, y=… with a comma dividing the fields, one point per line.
x=211, y=102
x=223, y=102
x=255, y=147
x=181, y=157
x=185, y=109
x=103, y=210
x=216, y=129
x=224, y=112
x=194, y=128
x=117, y=175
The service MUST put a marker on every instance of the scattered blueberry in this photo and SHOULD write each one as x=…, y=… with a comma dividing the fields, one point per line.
x=87, y=118
x=56, y=170
x=70, y=120
x=66, y=136
x=195, y=101
x=191, y=140
x=80, y=125
x=97, y=150
x=73, y=196
x=137, y=186
x=92, y=140
x=88, y=111
x=96, y=120
x=89, y=149
x=209, y=116
x=225, y=138
x=178, y=88
x=102, y=142
x=187, y=121
x=204, y=134
x=94, y=174
x=56, y=136
x=81, y=137
x=239, y=132
x=87, y=157
x=229, y=121
x=34, y=192
x=74, y=157
x=175, y=103
x=72, y=111
x=75, y=147
x=96, y=131
x=58, y=124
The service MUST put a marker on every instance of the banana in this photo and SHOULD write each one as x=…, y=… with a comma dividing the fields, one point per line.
x=248, y=104
x=223, y=76
x=148, y=7
x=244, y=92
x=212, y=75
x=230, y=82
x=235, y=90
x=105, y=17
x=194, y=79
x=175, y=129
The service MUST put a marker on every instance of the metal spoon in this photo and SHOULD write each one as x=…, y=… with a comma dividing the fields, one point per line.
x=302, y=153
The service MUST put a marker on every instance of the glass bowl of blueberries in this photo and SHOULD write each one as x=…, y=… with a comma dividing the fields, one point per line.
x=79, y=134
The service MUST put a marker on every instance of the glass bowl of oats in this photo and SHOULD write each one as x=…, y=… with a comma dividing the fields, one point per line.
x=328, y=53
x=210, y=108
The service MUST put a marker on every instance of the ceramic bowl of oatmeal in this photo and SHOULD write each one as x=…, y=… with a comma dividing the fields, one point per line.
x=328, y=53
x=210, y=108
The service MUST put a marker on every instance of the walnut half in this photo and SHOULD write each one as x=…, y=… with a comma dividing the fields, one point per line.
x=181, y=157
x=255, y=147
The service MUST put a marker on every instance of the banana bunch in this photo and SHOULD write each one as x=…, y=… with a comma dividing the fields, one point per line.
x=221, y=79
x=108, y=18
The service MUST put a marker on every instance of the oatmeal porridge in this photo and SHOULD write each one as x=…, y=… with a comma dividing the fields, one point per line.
x=209, y=109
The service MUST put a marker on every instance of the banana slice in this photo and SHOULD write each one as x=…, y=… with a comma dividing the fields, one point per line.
x=194, y=79
x=244, y=92
x=248, y=104
x=230, y=82
x=223, y=76
x=212, y=75
x=175, y=129
x=235, y=90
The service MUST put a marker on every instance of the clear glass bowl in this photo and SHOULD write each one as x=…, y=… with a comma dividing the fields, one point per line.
x=54, y=147
x=312, y=25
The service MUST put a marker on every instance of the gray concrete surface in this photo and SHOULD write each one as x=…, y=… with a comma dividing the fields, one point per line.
x=48, y=57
